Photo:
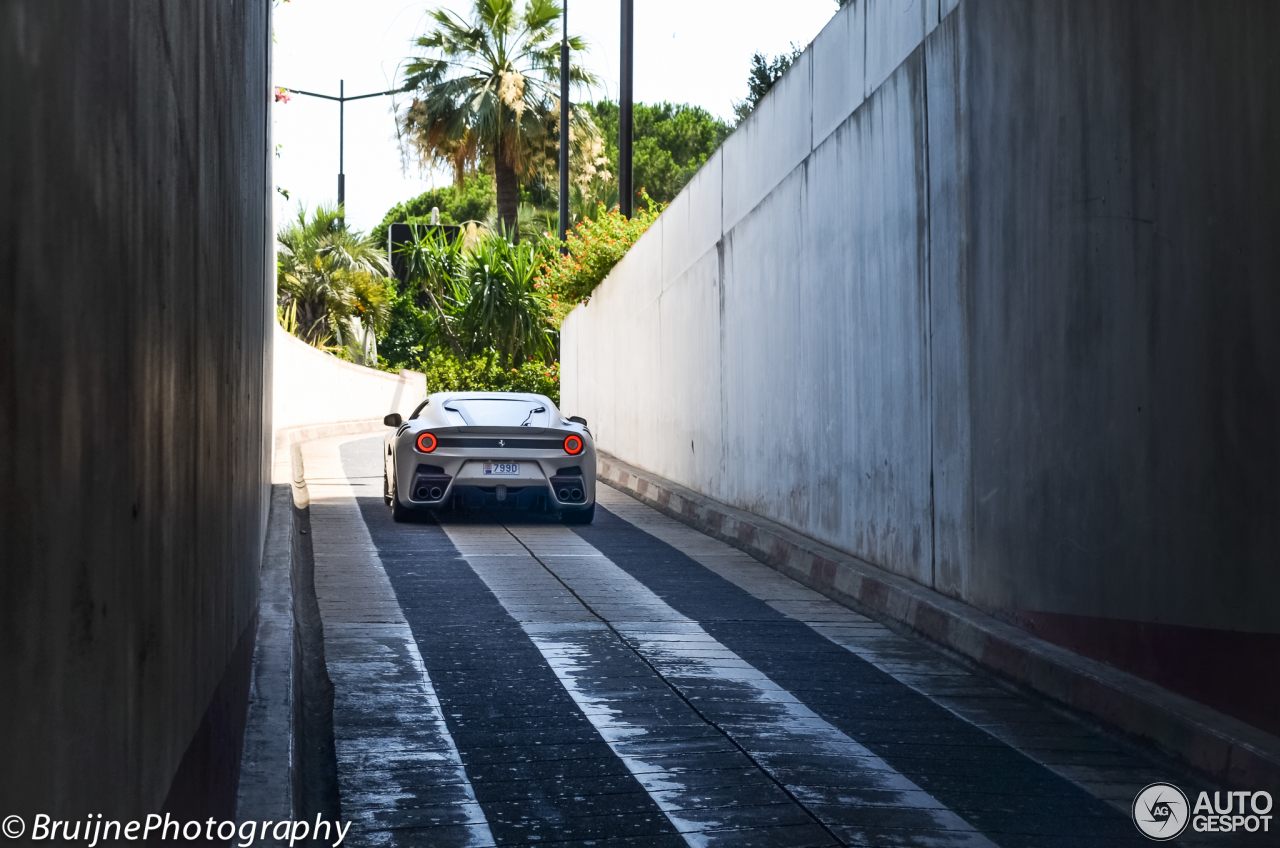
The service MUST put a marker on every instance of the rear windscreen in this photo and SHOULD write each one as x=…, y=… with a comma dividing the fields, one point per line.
x=501, y=413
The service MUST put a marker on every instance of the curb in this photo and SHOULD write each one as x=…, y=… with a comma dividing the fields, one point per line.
x=288, y=436
x=1230, y=751
x=266, y=787
x=282, y=773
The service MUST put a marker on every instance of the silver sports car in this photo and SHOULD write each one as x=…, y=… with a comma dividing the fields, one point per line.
x=475, y=449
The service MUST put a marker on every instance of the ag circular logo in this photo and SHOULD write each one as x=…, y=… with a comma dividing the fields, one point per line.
x=1161, y=812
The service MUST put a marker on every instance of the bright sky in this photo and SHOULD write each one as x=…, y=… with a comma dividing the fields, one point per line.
x=686, y=51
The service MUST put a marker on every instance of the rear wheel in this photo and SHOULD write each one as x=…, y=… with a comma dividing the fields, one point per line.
x=579, y=516
x=399, y=512
x=386, y=488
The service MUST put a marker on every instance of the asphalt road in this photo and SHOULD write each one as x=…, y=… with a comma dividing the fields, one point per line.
x=505, y=680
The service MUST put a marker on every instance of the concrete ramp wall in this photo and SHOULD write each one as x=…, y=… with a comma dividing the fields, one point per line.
x=137, y=281
x=985, y=293
x=313, y=387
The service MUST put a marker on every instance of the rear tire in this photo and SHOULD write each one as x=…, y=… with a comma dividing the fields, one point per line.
x=579, y=516
x=399, y=512
x=386, y=488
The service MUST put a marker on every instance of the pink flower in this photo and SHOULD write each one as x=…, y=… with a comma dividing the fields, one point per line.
x=282, y=95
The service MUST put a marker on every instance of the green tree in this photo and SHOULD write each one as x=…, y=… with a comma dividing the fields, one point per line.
x=671, y=142
x=487, y=93
x=331, y=277
x=482, y=373
x=761, y=77
x=406, y=339
x=472, y=201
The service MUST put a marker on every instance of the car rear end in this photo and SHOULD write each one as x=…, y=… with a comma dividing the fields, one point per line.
x=542, y=469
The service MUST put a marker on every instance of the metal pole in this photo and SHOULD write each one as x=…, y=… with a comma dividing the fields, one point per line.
x=626, y=192
x=342, y=178
x=342, y=104
x=564, y=130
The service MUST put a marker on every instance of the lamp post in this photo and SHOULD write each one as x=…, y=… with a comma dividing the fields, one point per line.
x=626, y=193
x=564, y=129
x=342, y=107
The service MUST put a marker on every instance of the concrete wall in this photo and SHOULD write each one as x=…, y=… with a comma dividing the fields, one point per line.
x=135, y=251
x=313, y=387
x=985, y=294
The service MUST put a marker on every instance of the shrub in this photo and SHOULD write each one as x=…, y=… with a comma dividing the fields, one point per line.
x=407, y=334
x=446, y=373
x=595, y=246
x=457, y=204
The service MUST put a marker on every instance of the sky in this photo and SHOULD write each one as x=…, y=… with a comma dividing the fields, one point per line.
x=686, y=51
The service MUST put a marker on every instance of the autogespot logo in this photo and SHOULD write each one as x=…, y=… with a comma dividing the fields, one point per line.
x=1160, y=811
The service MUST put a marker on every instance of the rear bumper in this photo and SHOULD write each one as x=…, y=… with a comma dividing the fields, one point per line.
x=544, y=483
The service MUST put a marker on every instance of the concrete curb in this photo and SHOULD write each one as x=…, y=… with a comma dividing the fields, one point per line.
x=272, y=786
x=266, y=787
x=310, y=432
x=1225, y=748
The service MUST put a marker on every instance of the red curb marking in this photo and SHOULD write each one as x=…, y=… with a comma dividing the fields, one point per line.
x=823, y=571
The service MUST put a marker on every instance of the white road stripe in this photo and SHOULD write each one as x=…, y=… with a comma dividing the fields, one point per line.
x=908, y=662
x=375, y=666
x=679, y=649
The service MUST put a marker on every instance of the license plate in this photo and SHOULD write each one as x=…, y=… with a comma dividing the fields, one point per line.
x=502, y=469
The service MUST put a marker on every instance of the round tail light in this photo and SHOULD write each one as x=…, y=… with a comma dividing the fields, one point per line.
x=426, y=442
x=573, y=445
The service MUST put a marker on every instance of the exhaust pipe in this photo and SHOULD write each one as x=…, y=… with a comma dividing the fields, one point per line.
x=563, y=494
x=436, y=493
x=577, y=494
x=421, y=494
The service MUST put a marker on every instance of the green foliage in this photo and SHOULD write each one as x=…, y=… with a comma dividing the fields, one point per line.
x=486, y=90
x=476, y=299
x=762, y=76
x=671, y=142
x=595, y=246
x=408, y=334
x=328, y=275
x=447, y=373
x=501, y=310
x=471, y=201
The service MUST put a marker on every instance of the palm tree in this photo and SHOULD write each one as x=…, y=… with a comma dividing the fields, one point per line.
x=487, y=90
x=333, y=279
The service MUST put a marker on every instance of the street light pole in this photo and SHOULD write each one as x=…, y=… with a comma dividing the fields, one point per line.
x=626, y=193
x=342, y=118
x=564, y=130
x=342, y=137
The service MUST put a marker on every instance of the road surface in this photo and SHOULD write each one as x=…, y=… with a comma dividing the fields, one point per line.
x=501, y=680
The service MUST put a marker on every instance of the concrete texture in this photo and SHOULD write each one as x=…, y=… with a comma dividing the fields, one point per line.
x=1228, y=749
x=266, y=786
x=134, y=387
x=507, y=680
x=391, y=747
x=312, y=387
x=290, y=702
x=1006, y=325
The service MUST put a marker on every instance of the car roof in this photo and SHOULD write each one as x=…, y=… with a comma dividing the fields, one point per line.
x=521, y=396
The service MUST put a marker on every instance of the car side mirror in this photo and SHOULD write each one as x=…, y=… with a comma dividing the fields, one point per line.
x=393, y=420
x=578, y=419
